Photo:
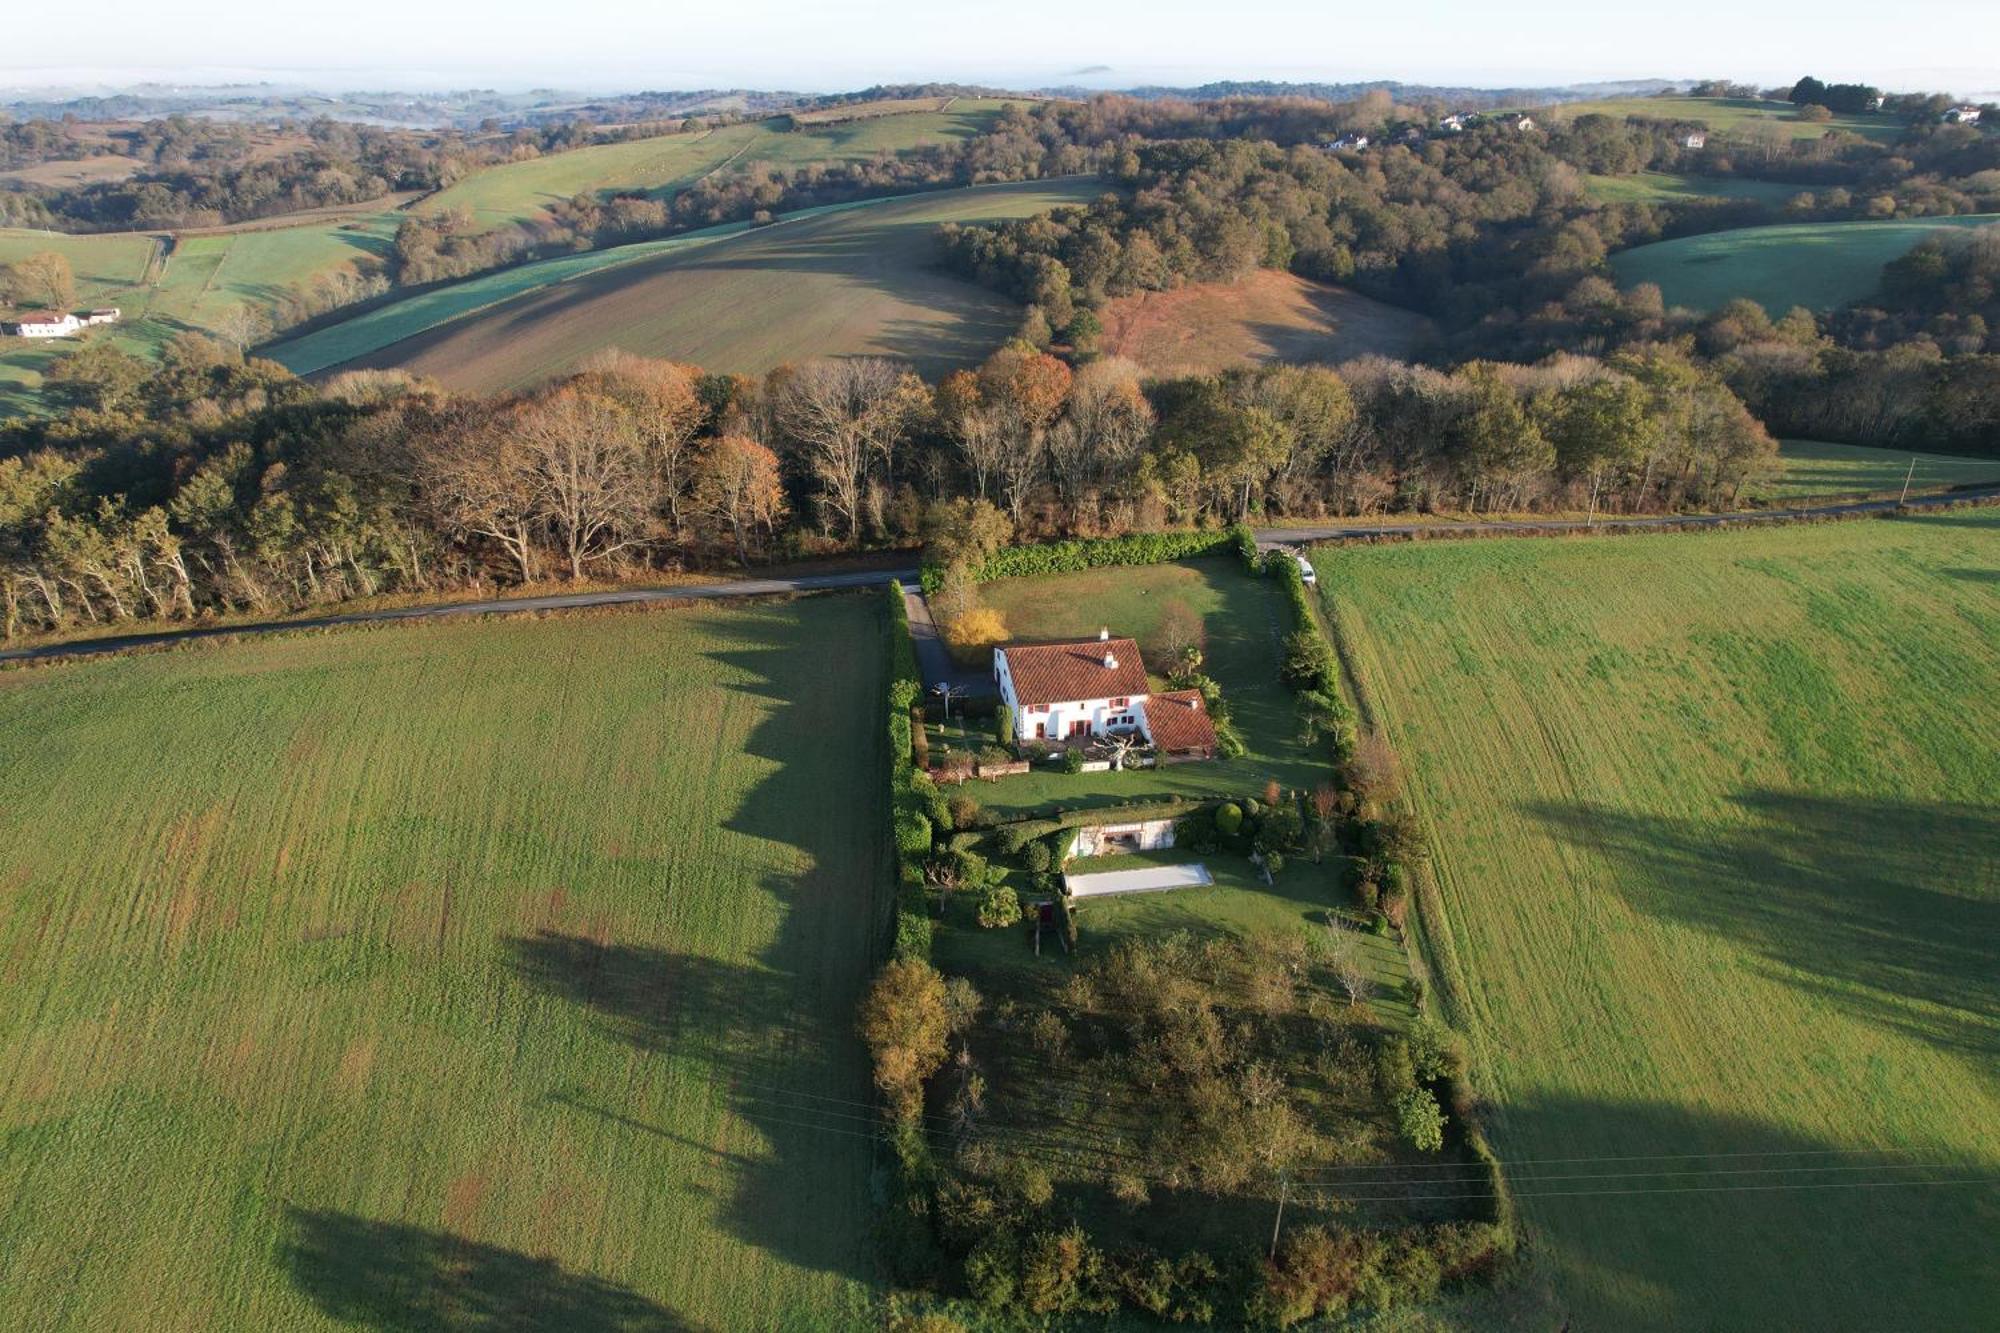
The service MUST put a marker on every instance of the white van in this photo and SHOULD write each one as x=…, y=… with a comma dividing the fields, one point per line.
x=1306, y=575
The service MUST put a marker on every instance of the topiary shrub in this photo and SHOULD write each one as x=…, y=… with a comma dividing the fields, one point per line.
x=1072, y=760
x=1037, y=857
x=1229, y=819
x=1003, y=725
x=964, y=810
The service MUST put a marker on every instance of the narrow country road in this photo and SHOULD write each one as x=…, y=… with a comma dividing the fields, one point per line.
x=765, y=587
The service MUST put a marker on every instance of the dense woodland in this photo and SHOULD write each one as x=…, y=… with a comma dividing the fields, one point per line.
x=213, y=484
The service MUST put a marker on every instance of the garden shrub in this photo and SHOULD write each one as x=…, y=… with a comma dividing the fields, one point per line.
x=1431, y=1055
x=1229, y=819
x=964, y=810
x=1394, y=1072
x=1419, y=1120
x=1000, y=906
x=1072, y=760
x=1003, y=725
x=1037, y=857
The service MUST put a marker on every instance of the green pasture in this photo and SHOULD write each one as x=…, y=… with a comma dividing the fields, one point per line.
x=1814, y=469
x=1819, y=265
x=1666, y=187
x=1733, y=115
x=490, y=974
x=1716, y=847
x=517, y=191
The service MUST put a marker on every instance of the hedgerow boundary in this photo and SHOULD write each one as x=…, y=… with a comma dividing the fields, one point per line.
x=1076, y=555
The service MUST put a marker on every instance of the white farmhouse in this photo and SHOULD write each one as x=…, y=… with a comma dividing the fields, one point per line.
x=1694, y=139
x=1962, y=115
x=1066, y=693
x=46, y=324
x=1451, y=124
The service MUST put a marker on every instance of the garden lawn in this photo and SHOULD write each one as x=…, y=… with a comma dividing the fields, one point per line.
x=1716, y=823
x=1818, y=265
x=1813, y=469
x=493, y=973
x=1244, y=620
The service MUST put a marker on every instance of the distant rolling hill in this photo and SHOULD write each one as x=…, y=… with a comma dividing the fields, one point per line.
x=850, y=281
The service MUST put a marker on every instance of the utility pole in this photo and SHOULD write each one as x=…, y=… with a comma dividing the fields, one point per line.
x=1906, y=482
x=1284, y=1184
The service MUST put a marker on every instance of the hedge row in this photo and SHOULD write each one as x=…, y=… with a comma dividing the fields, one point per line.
x=1138, y=548
x=910, y=791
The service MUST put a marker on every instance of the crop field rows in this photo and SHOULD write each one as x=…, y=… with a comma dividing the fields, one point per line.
x=369, y=978
x=1718, y=860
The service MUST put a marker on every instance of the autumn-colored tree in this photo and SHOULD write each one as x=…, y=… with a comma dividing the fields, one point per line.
x=841, y=417
x=595, y=488
x=479, y=481
x=667, y=411
x=738, y=486
x=905, y=1022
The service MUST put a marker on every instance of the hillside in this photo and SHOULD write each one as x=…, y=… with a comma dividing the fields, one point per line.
x=1665, y=187
x=1267, y=316
x=1718, y=862
x=842, y=282
x=496, y=967
x=516, y=191
x=1819, y=265
x=1731, y=115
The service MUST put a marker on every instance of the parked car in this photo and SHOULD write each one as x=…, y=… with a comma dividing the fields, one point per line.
x=1306, y=575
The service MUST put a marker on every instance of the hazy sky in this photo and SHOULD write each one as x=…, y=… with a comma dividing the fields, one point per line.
x=795, y=44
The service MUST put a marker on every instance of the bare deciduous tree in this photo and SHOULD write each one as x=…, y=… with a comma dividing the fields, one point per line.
x=594, y=487
x=480, y=482
x=841, y=416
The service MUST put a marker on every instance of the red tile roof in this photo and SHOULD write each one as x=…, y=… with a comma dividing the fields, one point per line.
x=1176, y=720
x=1059, y=673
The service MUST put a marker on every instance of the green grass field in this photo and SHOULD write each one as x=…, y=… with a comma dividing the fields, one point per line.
x=1717, y=841
x=471, y=975
x=852, y=279
x=207, y=276
x=1819, y=265
x=1666, y=187
x=1731, y=115
x=1814, y=469
x=516, y=191
x=1244, y=621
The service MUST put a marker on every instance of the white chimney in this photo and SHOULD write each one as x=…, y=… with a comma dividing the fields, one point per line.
x=1104, y=635
x=1110, y=660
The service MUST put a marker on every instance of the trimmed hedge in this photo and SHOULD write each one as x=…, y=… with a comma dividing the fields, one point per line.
x=911, y=793
x=1139, y=548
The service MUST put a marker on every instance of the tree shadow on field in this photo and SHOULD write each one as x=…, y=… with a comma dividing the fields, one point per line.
x=776, y=1034
x=1885, y=909
x=1664, y=1216
x=391, y=1277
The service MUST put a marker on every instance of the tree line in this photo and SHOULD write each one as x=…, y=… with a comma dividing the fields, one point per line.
x=207, y=483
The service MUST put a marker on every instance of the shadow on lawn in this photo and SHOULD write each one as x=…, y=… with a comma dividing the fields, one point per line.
x=386, y=1276
x=1872, y=905
x=777, y=1033
x=1774, y=1227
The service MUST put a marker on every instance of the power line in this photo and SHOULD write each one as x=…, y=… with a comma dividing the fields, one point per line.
x=1633, y=1157
x=1689, y=1189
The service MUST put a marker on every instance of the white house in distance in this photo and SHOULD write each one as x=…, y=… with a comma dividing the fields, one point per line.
x=1962, y=115
x=1694, y=139
x=1067, y=693
x=57, y=324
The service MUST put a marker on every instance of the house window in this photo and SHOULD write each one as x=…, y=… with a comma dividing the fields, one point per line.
x=1120, y=703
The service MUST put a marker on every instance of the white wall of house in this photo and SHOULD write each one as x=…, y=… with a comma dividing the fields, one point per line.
x=1061, y=721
